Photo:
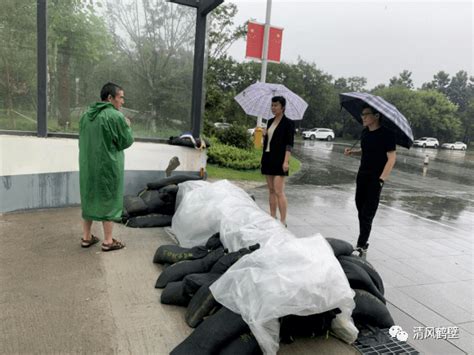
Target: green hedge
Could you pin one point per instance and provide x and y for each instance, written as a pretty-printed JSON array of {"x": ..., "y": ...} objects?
[{"x": 232, "y": 157}]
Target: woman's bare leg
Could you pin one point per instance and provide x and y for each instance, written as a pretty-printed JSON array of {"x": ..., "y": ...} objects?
[
  {"x": 272, "y": 197},
  {"x": 279, "y": 186}
]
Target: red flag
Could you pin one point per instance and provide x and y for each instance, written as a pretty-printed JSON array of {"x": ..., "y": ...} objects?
[
  {"x": 274, "y": 44},
  {"x": 254, "y": 40},
  {"x": 255, "y": 33}
]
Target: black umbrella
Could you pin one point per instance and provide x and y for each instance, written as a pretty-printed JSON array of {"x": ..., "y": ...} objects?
[{"x": 391, "y": 118}]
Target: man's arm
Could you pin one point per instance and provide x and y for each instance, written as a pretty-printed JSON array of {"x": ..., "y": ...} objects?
[
  {"x": 391, "y": 158},
  {"x": 352, "y": 151}
]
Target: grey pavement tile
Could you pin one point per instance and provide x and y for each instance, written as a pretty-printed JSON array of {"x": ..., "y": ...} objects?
[
  {"x": 416, "y": 309},
  {"x": 396, "y": 249},
  {"x": 461, "y": 246},
  {"x": 390, "y": 278},
  {"x": 459, "y": 293},
  {"x": 428, "y": 346},
  {"x": 411, "y": 273},
  {"x": 437, "y": 302},
  {"x": 468, "y": 327},
  {"x": 465, "y": 342},
  {"x": 433, "y": 267}
]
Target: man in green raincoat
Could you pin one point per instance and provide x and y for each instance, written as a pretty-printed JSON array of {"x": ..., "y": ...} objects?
[{"x": 104, "y": 133}]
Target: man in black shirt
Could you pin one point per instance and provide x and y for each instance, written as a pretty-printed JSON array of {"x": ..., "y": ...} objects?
[{"x": 378, "y": 158}]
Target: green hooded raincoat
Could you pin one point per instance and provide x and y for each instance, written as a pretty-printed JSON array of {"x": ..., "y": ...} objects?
[{"x": 103, "y": 135}]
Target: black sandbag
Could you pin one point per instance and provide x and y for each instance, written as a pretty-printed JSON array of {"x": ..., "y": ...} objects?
[
  {"x": 359, "y": 278},
  {"x": 369, "y": 310},
  {"x": 179, "y": 270},
  {"x": 149, "y": 221},
  {"x": 214, "y": 242},
  {"x": 228, "y": 260},
  {"x": 168, "y": 198},
  {"x": 169, "y": 189},
  {"x": 213, "y": 334},
  {"x": 173, "y": 294},
  {"x": 173, "y": 253},
  {"x": 374, "y": 275},
  {"x": 244, "y": 344},
  {"x": 168, "y": 209},
  {"x": 187, "y": 142},
  {"x": 134, "y": 205},
  {"x": 292, "y": 326},
  {"x": 201, "y": 305},
  {"x": 193, "y": 282},
  {"x": 340, "y": 247},
  {"x": 152, "y": 200},
  {"x": 175, "y": 179}
]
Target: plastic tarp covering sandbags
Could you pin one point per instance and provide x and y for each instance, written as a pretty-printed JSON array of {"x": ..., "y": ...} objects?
[
  {"x": 286, "y": 276},
  {"x": 186, "y": 187},
  {"x": 204, "y": 209}
]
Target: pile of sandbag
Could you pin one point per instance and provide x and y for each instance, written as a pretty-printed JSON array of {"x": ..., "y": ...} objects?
[
  {"x": 188, "y": 274},
  {"x": 370, "y": 304},
  {"x": 155, "y": 205}
]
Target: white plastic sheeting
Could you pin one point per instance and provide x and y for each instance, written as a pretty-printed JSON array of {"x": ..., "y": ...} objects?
[
  {"x": 297, "y": 276},
  {"x": 287, "y": 275}
]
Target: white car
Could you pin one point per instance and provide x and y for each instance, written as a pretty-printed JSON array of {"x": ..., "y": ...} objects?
[
  {"x": 319, "y": 133},
  {"x": 222, "y": 125},
  {"x": 455, "y": 145},
  {"x": 426, "y": 142}
]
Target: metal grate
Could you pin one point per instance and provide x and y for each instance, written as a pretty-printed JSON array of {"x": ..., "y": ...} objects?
[{"x": 374, "y": 341}]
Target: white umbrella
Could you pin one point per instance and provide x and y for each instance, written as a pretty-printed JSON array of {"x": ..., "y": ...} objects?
[{"x": 256, "y": 100}]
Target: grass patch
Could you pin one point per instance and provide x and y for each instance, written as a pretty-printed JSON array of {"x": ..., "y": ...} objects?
[{"x": 217, "y": 172}]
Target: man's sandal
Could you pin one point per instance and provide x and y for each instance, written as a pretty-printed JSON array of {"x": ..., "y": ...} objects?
[
  {"x": 116, "y": 245},
  {"x": 86, "y": 243}
]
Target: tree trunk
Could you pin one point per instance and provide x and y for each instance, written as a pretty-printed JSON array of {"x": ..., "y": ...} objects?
[{"x": 64, "y": 88}]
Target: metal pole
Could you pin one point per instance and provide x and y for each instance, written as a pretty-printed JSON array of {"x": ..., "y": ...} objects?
[
  {"x": 42, "y": 67},
  {"x": 263, "y": 74},
  {"x": 198, "y": 73}
]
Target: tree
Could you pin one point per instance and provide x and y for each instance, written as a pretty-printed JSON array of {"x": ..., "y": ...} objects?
[
  {"x": 429, "y": 112},
  {"x": 440, "y": 82},
  {"x": 17, "y": 56},
  {"x": 222, "y": 33},
  {"x": 458, "y": 90},
  {"x": 404, "y": 79}
]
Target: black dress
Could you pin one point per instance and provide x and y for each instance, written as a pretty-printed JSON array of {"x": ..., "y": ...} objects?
[{"x": 282, "y": 141}]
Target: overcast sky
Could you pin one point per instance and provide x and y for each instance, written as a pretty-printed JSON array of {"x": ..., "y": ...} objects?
[{"x": 373, "y": 39}]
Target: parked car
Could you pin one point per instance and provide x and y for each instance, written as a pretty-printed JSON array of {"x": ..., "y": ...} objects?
[
  {"x": 222, "y": 125},
  {"x": 426, "y": 142},
  {"x": 251, "y": 131},
  {"x": 455, "y": 145},
  {"x": 319, "y": 133}
]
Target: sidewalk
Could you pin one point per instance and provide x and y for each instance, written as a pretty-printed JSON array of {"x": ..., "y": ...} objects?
[{"x": 58, "y": 298}]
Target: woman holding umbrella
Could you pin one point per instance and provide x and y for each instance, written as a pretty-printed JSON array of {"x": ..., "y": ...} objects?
[{"x": 277, "y": 146}]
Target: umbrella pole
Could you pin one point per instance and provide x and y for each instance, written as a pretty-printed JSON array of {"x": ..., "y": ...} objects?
[{"x": 263, "y": 73}]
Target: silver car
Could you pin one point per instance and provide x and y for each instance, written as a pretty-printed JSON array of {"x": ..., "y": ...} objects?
[{"x": 455, "y": 145}]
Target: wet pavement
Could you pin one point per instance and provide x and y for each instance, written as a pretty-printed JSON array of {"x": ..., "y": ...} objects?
[
  {"x": 59, "y": 298},
  {"x": 421, "y": 242}
]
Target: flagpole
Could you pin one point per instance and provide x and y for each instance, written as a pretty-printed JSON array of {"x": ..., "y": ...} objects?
[{"x": 263, "y": 73}]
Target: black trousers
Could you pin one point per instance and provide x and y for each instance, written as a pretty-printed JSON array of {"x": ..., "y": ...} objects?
[{"x": 367, "y": 200}]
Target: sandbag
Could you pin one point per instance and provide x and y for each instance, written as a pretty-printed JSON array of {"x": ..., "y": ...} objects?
[
  {"x": 213, "y": 334},
  {"x": 214, "y": 241},
  {"x": 370, "y": 310},
  {"x": 152, "y": 200},
  {"x": 173, "y": 253},
  {"x": 340, "y": 247},
  {"x": 179, "y": 270},
  {"x": 172, "y": 180},
  {"x": 244, "y": 344},
  {"x": 173, "y": 294},
  {"x": 359, "y": 278},
  {"x": 228, "y": 260},
  {"x": 134, "y": 205},
  {"x": 374, "y": 275},
  {"x": 201, "y": 305},
  {"x": 292, "y": 326},
  {"x": 169, "y": 189},
  {"x": 193, "y": 282},
  {"x": 149, "y": 221}
]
